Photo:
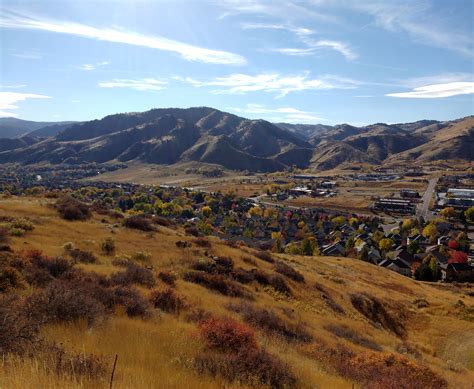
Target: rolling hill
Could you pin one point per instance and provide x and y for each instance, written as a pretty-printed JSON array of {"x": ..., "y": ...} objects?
[
  {"x": 13, "y": 127},
  {"x": 170, "y": 136}
]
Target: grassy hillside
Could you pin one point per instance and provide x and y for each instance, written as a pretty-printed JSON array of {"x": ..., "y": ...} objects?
[{"x": 309, "y": 321}]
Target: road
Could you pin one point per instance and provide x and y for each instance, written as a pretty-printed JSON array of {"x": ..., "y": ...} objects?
[{"x": 423, "y": 208}]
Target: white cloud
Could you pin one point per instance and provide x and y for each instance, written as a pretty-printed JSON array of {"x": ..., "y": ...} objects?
[
  {"x": 437, "y": 91},
  {"x": 9, "y": 100},
  {"x": 13, "y": 86},
  {"x": 304, "y": 36},
  {"x": 280, "y": 114},
  {"x": 269, "y": 82},
  {"x": 143, "y": 84},
  {"x": 26, "y": 54},
  {"x": 187, "y": 51},
  {"x": 417, "y": 20},
  {"x": 93, "y": 66},
  {"x": 300, "y": 31}
]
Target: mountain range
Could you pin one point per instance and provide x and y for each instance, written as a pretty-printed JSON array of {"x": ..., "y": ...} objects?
[{"x": 206, "y": 135}]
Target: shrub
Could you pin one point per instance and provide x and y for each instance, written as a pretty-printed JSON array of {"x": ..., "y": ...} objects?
[
  {"x": 108, "y": 246},
  {"x": 279, "y": 284},
  {"x": 60, "y": 302},
  {"x": 255, "y": 366},
  {"x": 191, "y": 231},
  {"x": 83, "y": 256},
  {"x": 202, "y": 242},
  {"x": 133, "y": 274},
  {"x": 268, "y": 321},
  {"x": 18, "y": 329},
  {"x": 217, "y": 283},
  {"x": 10, "y": 278},
  {"x": 68, "y": 246},
  {"x": 72, "y": 209},
  {"x": 73, "y": 364},
  {"x": 217, "y": 265},
  {"x": 167, "y": 300},
  {"x": 243, "y": 276},
  {"x": 227, "y": 335},
  {"x": 18, "y": 232},
  {"x": 121, "y": 262},
  {"x": 347, "y": 333},
  {"x": 198, "y": 315},
  {"x": 392, "y": 371},
  {"x": 265, "y": 256},
  {"x": 138, "y": 222},
  {"x": 23, "y": 224},
  {"x": 374, "y": 310},
  {"x": 289, "y": 272},
  {"x": 168, "y": 277},
  {"x": 4, "y": 235},
  {"x": 41, "y": 269},
  {"x": 133, "y": 302},
  {"x": 141, "y": 256}
]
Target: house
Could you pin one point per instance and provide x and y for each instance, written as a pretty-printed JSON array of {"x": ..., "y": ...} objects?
[
  {"x": 420, "y": 239},
  {"x": 409, "y": 193},
  {"x": 457, "y": 272},
  {"x": 398, "y": 265},
  {"x": 373, "y": 255},
  {"x": 334, "y": 250},
  {"x": 443, "y": 240}
]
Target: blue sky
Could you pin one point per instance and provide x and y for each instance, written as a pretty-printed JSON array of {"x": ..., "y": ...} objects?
[{"x": 319, "y": 61}]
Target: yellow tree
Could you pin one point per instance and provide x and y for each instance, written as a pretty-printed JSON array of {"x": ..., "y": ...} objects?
[
  {"x": 385, "y": 244},
  {"x": 430, "y": 232},
  {"x": 206, "y": 211},
  {"x": 448, "y": 212}
]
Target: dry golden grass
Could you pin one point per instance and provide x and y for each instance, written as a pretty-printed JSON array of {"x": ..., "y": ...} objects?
[{"x": 158, "y": 351}]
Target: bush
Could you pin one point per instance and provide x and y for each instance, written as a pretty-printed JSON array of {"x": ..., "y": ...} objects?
[
  {"x": 265, "y": 256},
  {"x": 254, "y": 366},
  {"x": 4, "y": 235},
  {"x": 243, "y": 276},
  {"x": 167, "y": 300},
  {"x": 83, "y": 256},
  {"x": 23, "y": 224},
  {"x": 198, "y": 315},
  {"x": 41, "y": 269},
  {"x": 133, "y": 302},
  {"x": 217, "y": 283},
  {"x": 18, "y": 232},
  {"x": 59, "y": 302},
  {"x": 202, "y": 242},
  {"x": 268, "y": 321},
  {"x": 72, "y": 364},
  {"x": 168, "y": 277},
  {"x": 108, "y": 246},
  {"x": 133, "y": 274},
  {"x": 374, "y": 310},
  {"x": 138, "y": 223},
  {"x": 392, "y": 371},
  {"x": 141, "y": 256},
  {"x": 279, "y": 284},
  {"x": 289, "y": 272},
  {"x": 72, "y": 209},
  {"x": 347, "y": 333},
  {"x": 217, "y": 265},
  {"x": 18, "y": 330},
  {"x": 227, "y": 335},
  {"x": 191, "y": 231},
  {"x": 10, "y": 278}
]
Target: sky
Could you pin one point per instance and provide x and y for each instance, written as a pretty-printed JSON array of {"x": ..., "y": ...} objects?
[{"x": 315, "y": 61}]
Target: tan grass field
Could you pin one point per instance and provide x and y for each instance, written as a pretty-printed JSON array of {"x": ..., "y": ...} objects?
[{"x": 156, "y": 352}]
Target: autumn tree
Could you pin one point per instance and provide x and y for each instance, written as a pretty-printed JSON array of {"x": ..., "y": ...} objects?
[
  {"x": 469, "y": 213},
  {"x": 448, "y": 212},
  {"x": 430, "y": 232},
  {"x": 458, "y": 257},
  {"x": 385, "y": 244}
]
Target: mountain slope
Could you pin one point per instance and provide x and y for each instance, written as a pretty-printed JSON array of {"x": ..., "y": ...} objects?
[
  {"x": 206, "y": 135},
  {"x": 13, "y": 127}
]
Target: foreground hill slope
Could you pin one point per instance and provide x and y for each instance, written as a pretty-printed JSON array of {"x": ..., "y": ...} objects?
[{"x": 335, "y": 310}]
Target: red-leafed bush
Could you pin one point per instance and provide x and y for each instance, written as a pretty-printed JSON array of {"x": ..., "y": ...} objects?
[
  {"x": 168, "y": 278},
  {"x": 458, "y": 257},
  {"x": 452, "y": 244},
  {"x": 227, "y": 335}
]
